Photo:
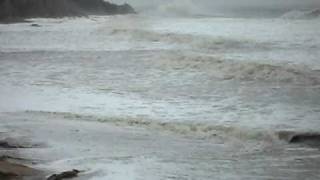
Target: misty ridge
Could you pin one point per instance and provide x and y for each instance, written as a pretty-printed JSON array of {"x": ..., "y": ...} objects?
[{"x": 21, "y": 9}]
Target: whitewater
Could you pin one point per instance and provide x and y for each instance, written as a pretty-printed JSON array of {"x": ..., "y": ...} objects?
[{"x": 149, "y": 97}]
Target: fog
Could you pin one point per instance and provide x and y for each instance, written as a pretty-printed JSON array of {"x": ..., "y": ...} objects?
[{"x": 216, "y": 7}]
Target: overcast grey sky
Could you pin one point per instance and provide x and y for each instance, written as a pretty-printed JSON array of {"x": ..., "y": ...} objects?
[
  {"x": 228, "y": 3},
  {"x": 211, "y": 6}
]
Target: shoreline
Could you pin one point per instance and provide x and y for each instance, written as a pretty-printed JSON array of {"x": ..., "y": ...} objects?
[
  {"x": 17, "y": 171},
  {"x": 105, "y": 151},
  {"x": 13, "y": 166}
]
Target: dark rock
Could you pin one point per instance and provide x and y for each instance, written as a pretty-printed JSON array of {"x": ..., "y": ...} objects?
[
  {"x": 10, "y": 144},
  {"x": 298, "y": 138},
  {"x": 13, "y": 143},
  {"x": 35, "y": 25},
  {"x": 6, "y": 145},
  {"x": 4, "y": 158},
  {"x": 8, "y": 176},
  {"x": 309, "y": 138},
  {"x": 64, "y": 175}
]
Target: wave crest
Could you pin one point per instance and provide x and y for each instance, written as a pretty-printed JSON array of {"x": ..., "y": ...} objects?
[
  {"x": 244, "y": 70},
  {"x": 198, "y": 50},
  {"x": 203, "y": 42},
  {"x": 201, "y": 130},
  {"x": 198, "y": 130}
]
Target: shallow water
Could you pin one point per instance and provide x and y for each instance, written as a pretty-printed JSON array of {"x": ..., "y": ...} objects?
[{"x": 104, "y": 151}]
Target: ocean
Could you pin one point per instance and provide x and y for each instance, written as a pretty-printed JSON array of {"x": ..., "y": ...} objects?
[{"x": 249, "y": 82}]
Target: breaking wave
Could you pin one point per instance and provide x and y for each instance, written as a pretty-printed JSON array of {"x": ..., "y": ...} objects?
[
  {"x": 302, "y": 14},
  {"x": 223, "y": 69},
  {"x": 203, "y": 130},
  {"x": 201, "y": 56},
  {"x": 200, "y": 130},
  {"x": 195, "y": 41},
  {"x": 200, "y": 42}
]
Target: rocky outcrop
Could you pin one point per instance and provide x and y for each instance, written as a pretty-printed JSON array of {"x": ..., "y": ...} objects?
[
  {"x": 65, "y": 175},
  {"x": 14, "y": 9}
]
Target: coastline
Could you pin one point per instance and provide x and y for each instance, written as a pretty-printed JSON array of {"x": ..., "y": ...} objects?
[
  {"x": 105, "y": 151},
  {"x": 13, "y": 166}
]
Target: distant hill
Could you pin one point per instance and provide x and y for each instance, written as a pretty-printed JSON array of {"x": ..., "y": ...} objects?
[{"x": 21, "y": 9}]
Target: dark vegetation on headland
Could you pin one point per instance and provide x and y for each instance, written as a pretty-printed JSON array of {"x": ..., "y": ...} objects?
[{"x": 23, "y": 9}]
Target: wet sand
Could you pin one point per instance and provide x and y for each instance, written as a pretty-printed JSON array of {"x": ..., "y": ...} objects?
[
  {"x": 13, "y": 171},
  {"x": 12, "y": 166}
]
